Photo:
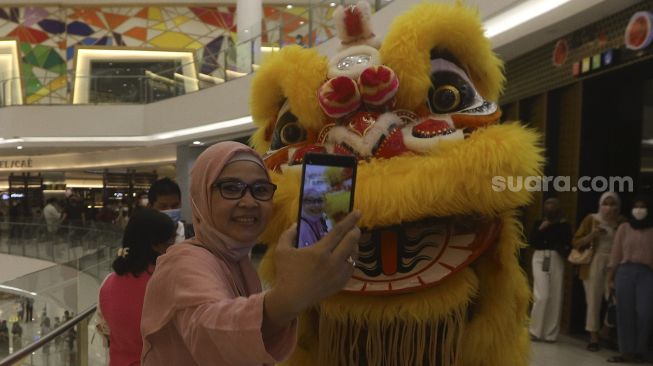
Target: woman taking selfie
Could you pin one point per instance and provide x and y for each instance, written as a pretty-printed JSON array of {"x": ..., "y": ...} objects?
[{"x": 204, "y": 305}]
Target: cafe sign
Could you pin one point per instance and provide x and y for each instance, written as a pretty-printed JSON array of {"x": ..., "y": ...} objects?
[{"x": 16, "y": 163}]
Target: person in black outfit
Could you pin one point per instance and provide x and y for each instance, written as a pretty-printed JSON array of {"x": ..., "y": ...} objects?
[
  {"x": 29, "y": 310},
  {"x": 4, "y": 339},
  {"x": 74, "y": 218},
  {"x": 551, "y": 239}
]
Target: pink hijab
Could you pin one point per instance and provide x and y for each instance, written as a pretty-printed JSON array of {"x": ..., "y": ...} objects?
[
  {"x": 206, "y": 170},
  {"x": 230, "y": 266}
]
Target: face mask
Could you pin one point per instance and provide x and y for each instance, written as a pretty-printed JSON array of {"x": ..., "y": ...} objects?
[
  {"x": 143, "y": 202},
  {"x": 175, "y": 214},
  {"x": 639, "y": 213}
]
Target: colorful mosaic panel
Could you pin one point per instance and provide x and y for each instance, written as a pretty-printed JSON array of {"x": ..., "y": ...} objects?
[{"x": 48, "y": 36}]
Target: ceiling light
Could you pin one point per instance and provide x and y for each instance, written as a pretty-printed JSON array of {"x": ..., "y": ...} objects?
[
  {"x": 332, "y": 4},
  {"x": 232, "y": 125},
  {"x": 301, "y": 23},
  {"x": 518, "y": 15},
  {"x": 288, "y": 6},
  {"x": 197, "y": 142},
  {"x": 16, "y": 289},
  {"x": 19, "y": 147}
]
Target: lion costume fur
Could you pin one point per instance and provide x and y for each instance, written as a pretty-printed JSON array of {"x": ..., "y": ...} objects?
[{"x": 476, "y": 314}]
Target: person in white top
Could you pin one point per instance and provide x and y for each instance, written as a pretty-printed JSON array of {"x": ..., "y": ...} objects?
[
  {"x": 165, "y": 196},
  {"x": 52, "y": 215}
]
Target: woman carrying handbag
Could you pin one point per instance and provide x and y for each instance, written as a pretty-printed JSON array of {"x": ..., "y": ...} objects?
[{"x": 596, "y": 233}]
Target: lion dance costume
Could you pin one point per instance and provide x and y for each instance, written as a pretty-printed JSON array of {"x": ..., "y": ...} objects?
[{"x": 437, "y": 280}]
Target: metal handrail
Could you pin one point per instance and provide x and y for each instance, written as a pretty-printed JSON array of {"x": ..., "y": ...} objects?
[{"x": 25, "y": 351}]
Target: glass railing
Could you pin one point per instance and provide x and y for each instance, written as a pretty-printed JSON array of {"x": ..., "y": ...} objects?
[
  {"x": 69, "y": 344},
  {"x": 65, "y": 246},
  {"x": 233, "y": 62},
  {"x": 37, "y": 334}
]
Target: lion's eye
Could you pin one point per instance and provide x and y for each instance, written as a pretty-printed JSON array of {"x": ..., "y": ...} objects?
[
  {"x": 451, "y": 91},
  {"x": 445, "y": 98},
  {"x": 292, "y": 133},
  {"x": 287, "y": 131}
]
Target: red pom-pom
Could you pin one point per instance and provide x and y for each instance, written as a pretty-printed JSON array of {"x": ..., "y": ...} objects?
[
  {"x": 374, "y": 76},
  {"x": 343, "y": 89}
]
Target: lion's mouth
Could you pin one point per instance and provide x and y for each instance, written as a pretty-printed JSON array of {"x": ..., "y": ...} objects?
[{"x": 419, "y": 254}]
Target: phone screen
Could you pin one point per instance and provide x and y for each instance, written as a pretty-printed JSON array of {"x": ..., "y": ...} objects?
[{"x": 327, "y": 195}]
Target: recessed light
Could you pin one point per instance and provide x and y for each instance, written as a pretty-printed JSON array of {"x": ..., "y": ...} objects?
[
  {"x": 288, "y": 6},
  {"x": 19, "y": 147},
  {"x": 246, "y": 31},
  {"x": 332, "y": 4},
  {"x": 197, "y": 142},
  {"x": 301, "y": 23}
]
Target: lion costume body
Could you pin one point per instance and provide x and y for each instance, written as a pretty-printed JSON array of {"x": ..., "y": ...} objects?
[{"x": 437, "y": 281}]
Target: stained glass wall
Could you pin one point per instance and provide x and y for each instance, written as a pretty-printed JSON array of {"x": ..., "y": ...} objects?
[{"x": 48, "y": 36}]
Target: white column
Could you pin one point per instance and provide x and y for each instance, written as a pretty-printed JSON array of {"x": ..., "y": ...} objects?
[
  {"x": 249, "y": 14},
  {"x": 186, "y": 156}
]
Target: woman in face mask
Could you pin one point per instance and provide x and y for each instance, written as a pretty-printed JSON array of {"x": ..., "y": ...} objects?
[
  {"x": 551, "y": 239},
  {"x": 596, "y": 232},
  {"x": 631, "y": 275},
  {"x": 204, "y": 304}
]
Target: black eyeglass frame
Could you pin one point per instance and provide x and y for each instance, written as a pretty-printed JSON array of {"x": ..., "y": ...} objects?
[{"x": 244, "y": 188}]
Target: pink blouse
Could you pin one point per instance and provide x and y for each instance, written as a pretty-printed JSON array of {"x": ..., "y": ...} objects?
[
  {"x": 632, "y": 246},
  {"x": 194, "y": 314}
]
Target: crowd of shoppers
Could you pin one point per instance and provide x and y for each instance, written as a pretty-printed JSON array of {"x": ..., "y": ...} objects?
[{"x": 618, "y": 275}]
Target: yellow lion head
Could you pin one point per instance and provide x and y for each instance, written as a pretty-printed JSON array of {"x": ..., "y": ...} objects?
[{"x": 437, "y": 273}]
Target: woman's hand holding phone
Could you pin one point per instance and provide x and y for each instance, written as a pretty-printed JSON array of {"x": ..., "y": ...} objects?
[{"x": 307, "y": 275}]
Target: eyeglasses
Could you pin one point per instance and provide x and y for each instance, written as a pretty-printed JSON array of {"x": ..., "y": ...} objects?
[{"x": 235, "y": 189}]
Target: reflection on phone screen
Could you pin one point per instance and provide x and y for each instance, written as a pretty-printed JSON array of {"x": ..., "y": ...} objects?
[{"x": 326, "y": 199}]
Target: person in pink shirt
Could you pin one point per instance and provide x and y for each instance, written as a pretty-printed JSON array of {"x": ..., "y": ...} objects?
[
  {"x": 147, "y": 235},
  {"x": 630, "y": 273},
  {"x": 204, "y": 304}
]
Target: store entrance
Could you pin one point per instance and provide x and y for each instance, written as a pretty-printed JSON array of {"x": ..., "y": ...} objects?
[{"x": 616, "y": 144}]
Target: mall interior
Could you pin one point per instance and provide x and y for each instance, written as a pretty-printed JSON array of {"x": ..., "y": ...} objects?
[{"x": 99, "y": 99}]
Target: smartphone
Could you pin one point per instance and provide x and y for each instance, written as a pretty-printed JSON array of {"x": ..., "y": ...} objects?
[{"x": 327, "y": 195}]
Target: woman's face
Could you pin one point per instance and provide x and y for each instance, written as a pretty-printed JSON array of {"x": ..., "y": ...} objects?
[
  {"x": 242, "y": 219},
  {"x": 313, "y": 204},
  {"x": 609, "y": 206},
  {"x": 551, "y": 208}
]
